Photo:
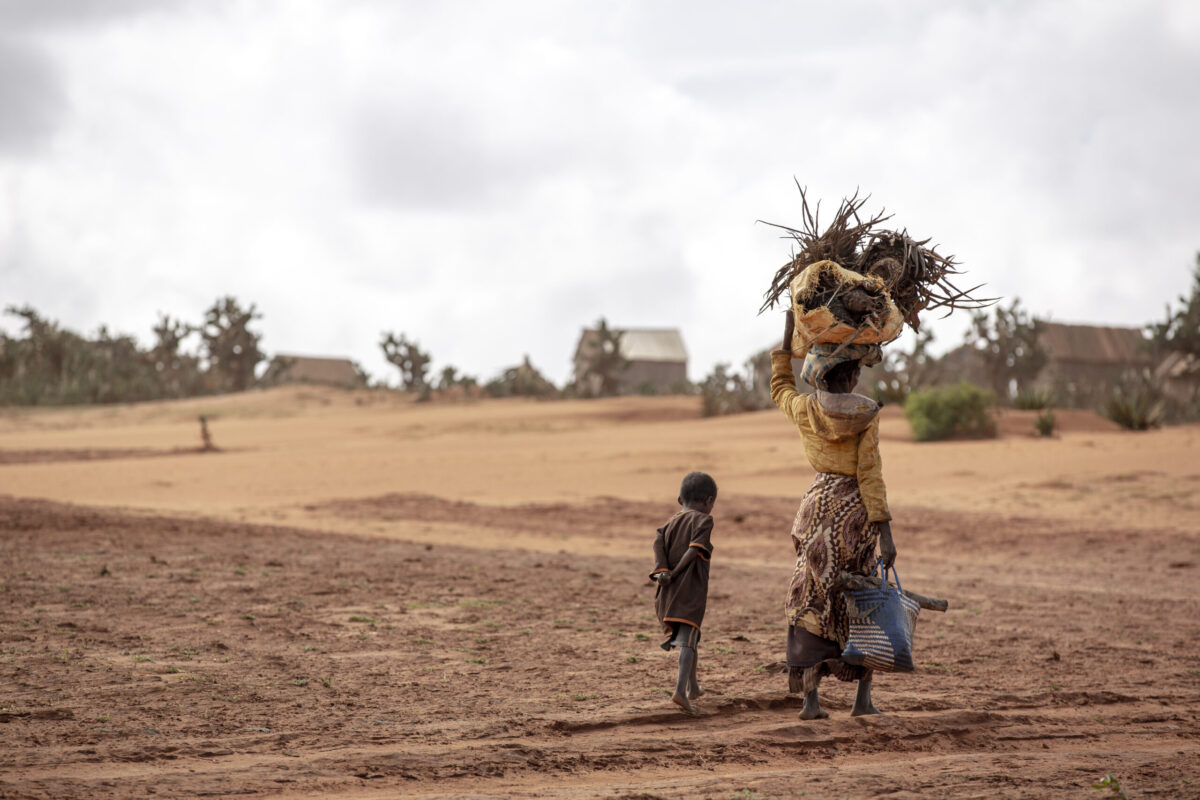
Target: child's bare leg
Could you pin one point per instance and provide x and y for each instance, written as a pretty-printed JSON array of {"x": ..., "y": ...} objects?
[
  {"x": 687, "y": 671},
  {"x": 862, "y": 700},
  {"x": 694, "y": 687}
]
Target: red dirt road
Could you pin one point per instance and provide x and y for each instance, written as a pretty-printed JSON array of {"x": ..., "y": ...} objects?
[{"x": 154, "y": 655}]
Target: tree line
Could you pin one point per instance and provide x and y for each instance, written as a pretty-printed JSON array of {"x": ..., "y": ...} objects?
[
  {"x": 45, "y": 363},
  {"x": 600, "y": 375}
]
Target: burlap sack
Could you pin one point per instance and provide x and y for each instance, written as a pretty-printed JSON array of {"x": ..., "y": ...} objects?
[{"x": 818, "y": 324}]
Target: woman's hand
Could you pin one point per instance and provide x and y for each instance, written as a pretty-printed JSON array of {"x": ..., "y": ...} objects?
[
  {"x": 887, "y": 548},
  {"x": 789, "y": 326}
]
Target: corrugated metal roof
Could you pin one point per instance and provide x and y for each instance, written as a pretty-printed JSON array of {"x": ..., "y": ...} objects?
[
  {"x": 1094, "y": 344},
  {"x": 644, "y": 344}
]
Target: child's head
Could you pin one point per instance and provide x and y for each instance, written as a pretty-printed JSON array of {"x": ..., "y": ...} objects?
[{"x": 698, "y": 491}]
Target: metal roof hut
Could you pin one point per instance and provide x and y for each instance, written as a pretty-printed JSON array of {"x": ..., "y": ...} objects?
[
  {"x": 1179, "y": 376},
  {"x": 657, "y": 361},
  {"x": 312, "y": 369},
  {"x": 1084, "y": 362}
]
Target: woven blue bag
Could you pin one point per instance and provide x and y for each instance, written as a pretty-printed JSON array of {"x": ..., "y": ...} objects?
[{"x": 881, "y": 627}]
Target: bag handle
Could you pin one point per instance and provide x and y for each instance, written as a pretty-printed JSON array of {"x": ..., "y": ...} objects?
[{"x": 883, "y": 571}]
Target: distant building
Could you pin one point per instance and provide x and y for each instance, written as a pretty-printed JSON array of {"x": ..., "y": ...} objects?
[
  {"x": 1179, "y": 376},
  {"x": 1084, "y": 362},
  {"x": 964, "y": 363},
  {"x": 312, "y": 369},
  {"x": 657, "y": 360}
]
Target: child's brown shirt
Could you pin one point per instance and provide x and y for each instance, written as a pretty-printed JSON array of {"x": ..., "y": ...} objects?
[{"x": 684, "y": 599}]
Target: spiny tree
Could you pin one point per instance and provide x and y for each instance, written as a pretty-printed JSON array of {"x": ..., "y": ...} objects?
[
  {"x": 450, "y": 378},
  {"x": 906, "y": 371},
  {"x": 230, "y": 346},
  {"x": 411, "y": 360},
  {"x": 178, "y": 371},
  {"x": 603, "y": 362},
  {"x": 1007, "y": 341},
  {"x": 724, "y": 391},
  {"x": 1179, "y": 332}
]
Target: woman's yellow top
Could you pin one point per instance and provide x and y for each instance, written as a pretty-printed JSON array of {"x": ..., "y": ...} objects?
[{"x": 845, "y": 444}]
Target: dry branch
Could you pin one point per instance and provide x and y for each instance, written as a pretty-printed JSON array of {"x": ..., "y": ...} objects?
[
  {"x": 914, "y": 273},
  {"x": 847, "y": 580}
]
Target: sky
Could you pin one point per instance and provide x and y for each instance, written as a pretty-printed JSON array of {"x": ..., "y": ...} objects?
[{"x": 488, "y": 178}]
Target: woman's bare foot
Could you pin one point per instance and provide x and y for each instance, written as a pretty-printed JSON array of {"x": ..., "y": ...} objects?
[
  {"x": 685, "y": 704},
  {"x": 862, "y": 699},
  {"x": 812, "y": 707}
]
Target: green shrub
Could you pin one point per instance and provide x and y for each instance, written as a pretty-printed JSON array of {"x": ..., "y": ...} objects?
[
  {"x": 1137, "y": 409},
  {"x": 1045, "y": 423},
  {"x": 962, "y": 410},
  {"x": 1033, "y": 399}
]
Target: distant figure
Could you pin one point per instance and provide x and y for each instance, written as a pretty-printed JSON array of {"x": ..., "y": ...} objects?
[
  {"x": 682, "y": 549},
  {"x": 842, "y": 517},
  {"x": 205, "y": 437}
]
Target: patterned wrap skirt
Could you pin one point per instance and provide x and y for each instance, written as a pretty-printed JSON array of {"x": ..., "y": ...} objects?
[{"x": 830, "y": 534}]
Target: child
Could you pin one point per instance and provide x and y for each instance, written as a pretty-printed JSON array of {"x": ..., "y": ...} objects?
[{"x": 682, "y": 549}]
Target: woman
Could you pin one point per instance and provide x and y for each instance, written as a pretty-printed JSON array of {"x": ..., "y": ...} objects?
[{"x": 843, "y": 515}]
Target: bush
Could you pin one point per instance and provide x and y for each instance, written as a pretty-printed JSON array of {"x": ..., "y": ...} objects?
[
  {"x": 523, "y": 380},
  {"x": 1136, "y": 409},
  {"x": 962, "y": 410},
  {"x": 1045, "y": 423},
  {"x": 1033, "y": 400}
]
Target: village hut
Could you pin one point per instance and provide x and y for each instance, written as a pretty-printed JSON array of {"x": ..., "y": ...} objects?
[
  {"x": 312, "y": 369},
  {"x": 656, "y": 361},
  {"x": 1179, "y": 376},
  {"x": 1084, "y": 362}
]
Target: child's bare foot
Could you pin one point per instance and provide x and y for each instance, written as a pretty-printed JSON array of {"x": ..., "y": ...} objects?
[
  {"x": 696, "y": 690},
  {"x": 684, "y": 703}
]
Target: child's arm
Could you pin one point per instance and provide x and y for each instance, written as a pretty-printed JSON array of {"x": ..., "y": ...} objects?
[
  {"x": 699, "y": 547},
  {"x": 661, "y": 567},
  {"x": 691, "y": 555}
]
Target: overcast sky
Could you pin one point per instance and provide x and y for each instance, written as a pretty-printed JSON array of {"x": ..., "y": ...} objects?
[{"x": 489, "y": 177}]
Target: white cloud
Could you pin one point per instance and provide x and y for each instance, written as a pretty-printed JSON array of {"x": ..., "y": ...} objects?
[{"x": 490, "y": 177}]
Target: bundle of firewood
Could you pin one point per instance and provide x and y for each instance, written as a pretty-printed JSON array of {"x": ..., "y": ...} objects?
[{"x": 885, "y": 277}]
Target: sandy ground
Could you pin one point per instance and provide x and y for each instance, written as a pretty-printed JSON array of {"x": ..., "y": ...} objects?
[{"x": 364, "y": 597}]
